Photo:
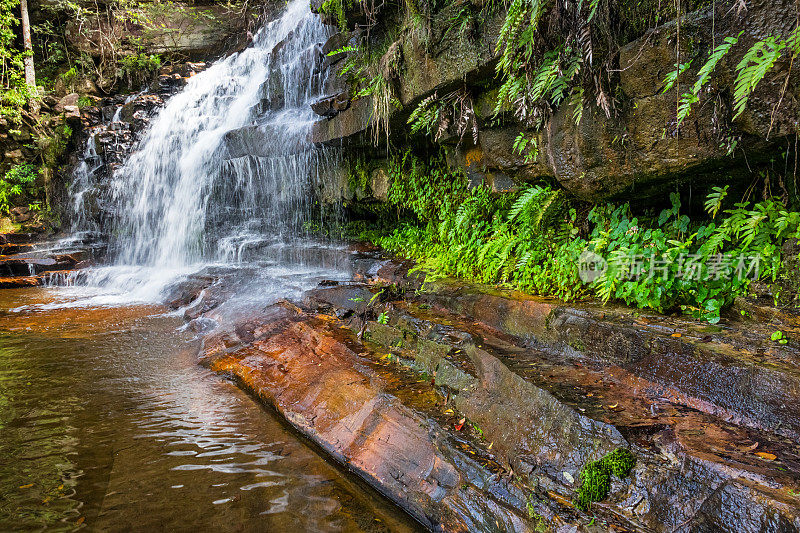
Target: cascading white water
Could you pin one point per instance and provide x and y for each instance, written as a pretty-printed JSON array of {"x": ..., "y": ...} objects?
[
  {"x": 183, "y": 200},
  {"x": 177, "y": 181},
  {"x": 82, "y": 186}
]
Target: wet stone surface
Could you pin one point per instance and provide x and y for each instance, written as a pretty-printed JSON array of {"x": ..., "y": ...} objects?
[{"x": 512, "y": 419}]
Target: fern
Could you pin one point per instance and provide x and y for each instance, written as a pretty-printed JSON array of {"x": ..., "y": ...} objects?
[
  {"x": 716, "y": 56},
  {"x": 576, "y": 100},
  {"x": 714, "y": 200},
  {"x": 525, "y": 201},
  {"x": 755, "y": 64},
  {"x": 693, "y": 96},
  {"x": 672, "y": 76},
  {"x": 342, "y": 50}
]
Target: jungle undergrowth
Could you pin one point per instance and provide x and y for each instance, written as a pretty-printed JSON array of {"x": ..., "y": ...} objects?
[{"x": 533, "y": 240}]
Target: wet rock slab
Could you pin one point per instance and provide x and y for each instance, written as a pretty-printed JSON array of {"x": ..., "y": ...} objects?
[
  {"x": 27, "y": 260},
  {"x": 734, "y": 371},
  {"x": 309, "y": 373},
  {"x": 477, "y": 410}
]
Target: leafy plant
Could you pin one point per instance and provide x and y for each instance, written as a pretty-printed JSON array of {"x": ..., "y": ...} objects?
[
  {"x": 436, "y": 116},
  {"x": 779, "y": 337},
  {"x": 532, "y": 241},
  {"x": 759, "y": 59},
  {"x": 16, "y": 182},
  {"x": 528, "y": 147},
  {"x": 136, "y": 68}
]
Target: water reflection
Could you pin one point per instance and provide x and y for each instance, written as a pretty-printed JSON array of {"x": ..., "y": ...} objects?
[{"x": 107, "y": 423}]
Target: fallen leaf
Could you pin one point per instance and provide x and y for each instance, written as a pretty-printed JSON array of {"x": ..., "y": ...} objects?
[
  {"x": 568, "y": 477},
  {"x": 560, "y": 499},
  {"x": 613, "y": 406},
  {"x": 449, "y": 412},
  {"x": 767, "y": 456},
  {"x": 751, "y": 447},
  {"x": 29, "y": 485},
  {"x": 80, "y": 520},
  {"x": 490, "y": 445},
  {"x": 676, "y": 335},
  {"x": 460, "y": 424}
]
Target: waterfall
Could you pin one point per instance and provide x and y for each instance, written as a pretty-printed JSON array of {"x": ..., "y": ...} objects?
[
  {"x": 187, "y": 197},
  {"x": 82, "y": 187}
]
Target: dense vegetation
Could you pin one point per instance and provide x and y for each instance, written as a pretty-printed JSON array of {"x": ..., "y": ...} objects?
[
  {"x": 555, "y": 54},
  {"x": 533, "y": 241}
]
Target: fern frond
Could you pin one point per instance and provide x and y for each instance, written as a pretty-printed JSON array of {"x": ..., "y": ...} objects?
[
  {"x": 755, "y": 64},
  {"x": 714, "y": 200}
]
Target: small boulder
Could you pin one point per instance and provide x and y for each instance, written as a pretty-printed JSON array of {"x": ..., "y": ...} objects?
[
  {"x": 87, "y": 86},
  {"x": 331, "y": 105},
  {"x": 71, "y": 100},
  {"x": 72, "y": 114},
  {"x": 14, "y": 156},
  {"x": 21, "y": 214}
]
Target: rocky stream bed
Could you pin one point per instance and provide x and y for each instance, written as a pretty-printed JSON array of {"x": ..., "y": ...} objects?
[
  {"x": 478, "y": 409},
  {"x": 475, "y": 409}
]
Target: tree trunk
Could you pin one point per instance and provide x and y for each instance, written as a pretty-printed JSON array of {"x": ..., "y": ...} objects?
[{"x": 30, "y": 72}]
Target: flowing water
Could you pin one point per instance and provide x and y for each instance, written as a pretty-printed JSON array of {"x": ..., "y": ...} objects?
[
  {"x": 182, "y": 202},
  {"x": 106, "y": 421}
]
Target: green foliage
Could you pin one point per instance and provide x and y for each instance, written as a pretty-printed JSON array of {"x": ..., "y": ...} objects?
[
  {"x": 779, "y": 337},
  {"x": 476, "y": 235},
  {"x": 688, "y": 270},
  {"x": 436, "y": 116},
  {"x": 759, "y": 59},
  {"x": 425, "y": 188},
  {"x": 53, "y": 146},
  {"x": 136, "y": 68},
  {"x": 527, "y": 147},
  {"x": 358, "y": 176},
  {"x": 693, "y": 95},
  {"x": 672, "y": 76},
  {"x": 755, "y": 64},
  {"x": 14, "y": 92},
  {"x": 533, "y": 92},
  {"x": 714, "y": 200},
  {"x": 17, "y": 182},
  {"x": 336, "y": 8},
  {"x": 531, "y": 242},
  {"x": 620, "y": 462},
  {"x": 596, "y": 476},
  {"x": 595, "y": 485},
  {"x": 342, "y": 50}
]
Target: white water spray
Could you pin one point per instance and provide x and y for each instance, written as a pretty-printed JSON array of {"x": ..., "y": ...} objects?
[{"x": 184, "y": 200}]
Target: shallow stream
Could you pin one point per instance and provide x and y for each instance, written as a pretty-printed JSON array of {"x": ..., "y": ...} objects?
[{"x": 108, "y": 423}]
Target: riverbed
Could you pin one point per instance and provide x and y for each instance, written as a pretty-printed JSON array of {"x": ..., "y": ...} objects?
[{"x": 108, "y": 423}]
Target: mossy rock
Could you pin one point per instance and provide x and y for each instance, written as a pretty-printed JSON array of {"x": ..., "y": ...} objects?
[{"x": 596, "y": 476}]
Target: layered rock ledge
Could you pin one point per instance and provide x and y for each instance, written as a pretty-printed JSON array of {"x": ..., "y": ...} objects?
[{"x": 478, "y": 410}]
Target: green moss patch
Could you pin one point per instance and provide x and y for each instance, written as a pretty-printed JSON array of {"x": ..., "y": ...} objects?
[{"x": 596, "y": 476}]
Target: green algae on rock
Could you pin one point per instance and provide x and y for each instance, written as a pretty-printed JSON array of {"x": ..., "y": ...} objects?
[{"x": 596, "y": 476}]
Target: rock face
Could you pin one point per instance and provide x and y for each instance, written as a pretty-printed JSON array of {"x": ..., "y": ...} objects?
[
  {"x": 638, "y": 150},
  {"x": 197, "y": 31},
  {"x": 478, "y": 411}
]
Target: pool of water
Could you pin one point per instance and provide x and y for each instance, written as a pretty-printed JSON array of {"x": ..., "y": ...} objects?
[{"x": 107, "y": 423}]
